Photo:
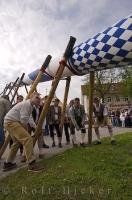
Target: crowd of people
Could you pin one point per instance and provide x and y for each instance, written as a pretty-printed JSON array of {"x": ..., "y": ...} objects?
[
  {"x": 121, "y": 117},
  {"x": 20, "y": 121}
]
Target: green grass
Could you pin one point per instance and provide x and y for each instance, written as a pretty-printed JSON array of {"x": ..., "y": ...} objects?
[{"x": 97, "y": 173}]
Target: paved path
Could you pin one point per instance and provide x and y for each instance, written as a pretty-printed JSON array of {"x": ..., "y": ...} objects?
[{"x": 54, "y": 151}]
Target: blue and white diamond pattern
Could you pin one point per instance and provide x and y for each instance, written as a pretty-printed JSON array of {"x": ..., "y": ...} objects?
[{"x": 108, "y": 49}]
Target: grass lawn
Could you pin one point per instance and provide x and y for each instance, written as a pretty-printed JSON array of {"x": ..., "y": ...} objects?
[{"x": 97, "y": 173}]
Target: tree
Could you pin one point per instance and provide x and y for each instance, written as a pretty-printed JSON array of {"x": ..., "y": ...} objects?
[
  {"x": 104, "y": 80},
  {"x": 127, "y": 80}
]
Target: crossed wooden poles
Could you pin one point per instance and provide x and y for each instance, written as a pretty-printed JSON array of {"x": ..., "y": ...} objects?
[
  {"x": 54, "y": 85},
  {"x": 55, "y": 82}
]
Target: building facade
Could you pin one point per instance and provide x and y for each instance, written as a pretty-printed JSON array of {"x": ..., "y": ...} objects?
[{"x": 114, "y": 98}]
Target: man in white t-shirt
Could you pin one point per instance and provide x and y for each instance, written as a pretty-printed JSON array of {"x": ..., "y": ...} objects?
[{"x": 16, "y": 123}]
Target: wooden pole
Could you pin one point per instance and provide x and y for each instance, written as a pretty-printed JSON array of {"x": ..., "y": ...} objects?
[
  {"x": 68, "y": 80},
  {"x": 26, "y": 88},
  {"x": 12, "y": 87},
  {"x": 55, "y": 82},
  {"x": 17, "y": 87},
  {"x": 91, "y": 91},
  {"x": 39, "y": 76}
]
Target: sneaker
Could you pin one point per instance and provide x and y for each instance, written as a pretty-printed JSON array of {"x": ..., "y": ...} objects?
[
  {"x": 113, "y": 142},
  {"x": 34, "y": 167},
  {"x": 9, "y": 166},
  {"x": 97, "y": 142},
  {"x": 45, "y": 146},
  {"x": 53, "y": 145},
  {"x": 60, "y": 145}
]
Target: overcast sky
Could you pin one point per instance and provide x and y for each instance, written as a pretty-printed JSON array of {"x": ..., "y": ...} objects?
[{"x": 32, "y": 29}]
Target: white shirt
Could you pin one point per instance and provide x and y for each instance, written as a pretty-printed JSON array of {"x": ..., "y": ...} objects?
[{"x": 20, "y": 112}]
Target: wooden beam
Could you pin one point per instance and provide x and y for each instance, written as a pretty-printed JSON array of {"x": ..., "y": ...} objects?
[
  {"x": 68, "y": 80},
  {"x": 12, "y": 87},
  {"x": 17, "y": 87},
  {"x": 90, "y": 116},
  {"x": 39, "y": 76}
]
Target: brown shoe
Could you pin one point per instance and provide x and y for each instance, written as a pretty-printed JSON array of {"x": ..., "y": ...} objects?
[{"x": 34, "y": 167}]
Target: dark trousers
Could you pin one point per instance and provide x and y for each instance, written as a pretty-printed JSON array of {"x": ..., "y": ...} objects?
[
  {"x": 56, "y": 127},
  {"x": 66, "y": 129},
  {"x": 46, "y": 129}
]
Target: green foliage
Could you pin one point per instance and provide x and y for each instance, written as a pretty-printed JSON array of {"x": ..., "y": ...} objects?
[
  {"x": 92, "y": 173},
  {"x": 127, "y": 80},
  {"x": 104, "y": 81}
]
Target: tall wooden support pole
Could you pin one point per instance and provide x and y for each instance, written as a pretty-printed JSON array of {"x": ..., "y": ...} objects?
[
  {"x": 12, "y": 87},
  {"x": 91, "y": 91},
  {"x": 55, "y": 82},
  {"x": 39, "y": 76},
  {"x": 17, "y": 87},
  {"x": 68, "y": 80}
]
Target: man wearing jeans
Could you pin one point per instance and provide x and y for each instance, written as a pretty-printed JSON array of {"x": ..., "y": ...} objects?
[{"x": 16, "y": 124}]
